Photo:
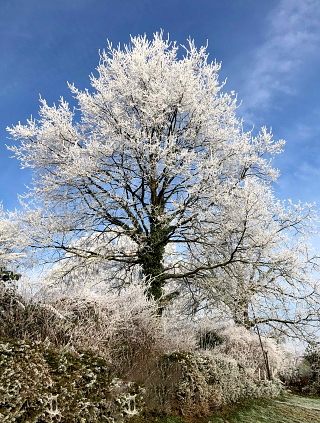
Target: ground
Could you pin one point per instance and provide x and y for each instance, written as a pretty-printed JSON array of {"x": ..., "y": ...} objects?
[{"x": 289, "y": 409}]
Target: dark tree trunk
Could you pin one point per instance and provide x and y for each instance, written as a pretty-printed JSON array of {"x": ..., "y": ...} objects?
[
  {"x": 151, "y": 260},
  {"x": 241, "y": 314}
]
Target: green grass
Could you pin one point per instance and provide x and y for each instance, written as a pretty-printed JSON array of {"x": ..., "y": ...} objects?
[{"x": 291, "y": 409}]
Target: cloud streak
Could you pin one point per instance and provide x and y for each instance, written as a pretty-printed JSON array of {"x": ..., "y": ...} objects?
[{"x": 291, "y": 40}]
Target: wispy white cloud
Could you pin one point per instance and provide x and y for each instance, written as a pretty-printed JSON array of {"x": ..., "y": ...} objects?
[
  {"x": 307, "y": 172},
  {"x": 303, "y": 131},
  {"x": 292, "y": 37}
]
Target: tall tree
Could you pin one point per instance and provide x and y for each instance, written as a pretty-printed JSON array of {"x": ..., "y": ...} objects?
[{"x": 154, "y": 154}]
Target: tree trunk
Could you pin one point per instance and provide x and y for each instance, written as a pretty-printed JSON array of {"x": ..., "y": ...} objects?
[
  {"x": 241, "y": 314},
  {"x": 151, "y": 260}
]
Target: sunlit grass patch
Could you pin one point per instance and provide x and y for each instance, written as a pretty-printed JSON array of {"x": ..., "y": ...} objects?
[{"x": 291, "y": 409}]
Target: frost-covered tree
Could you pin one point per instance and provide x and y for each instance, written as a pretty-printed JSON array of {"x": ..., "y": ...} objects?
[
  {"x": 11, "y": 240},
  {"x": 152, "y": 160}
]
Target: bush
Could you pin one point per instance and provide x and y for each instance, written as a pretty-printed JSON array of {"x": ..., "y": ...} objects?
[
  {"x": 209, "y": 339},
  {"x": 195, "y": 384},
  {"x": 71, "y": 343},
  {"x": 42, "y": 384},
  {"x": 244, "y": 346},
  {"x": 124, "y": 328},
  {"x": 307, "y": 375},
  {"x": 21, "y": 319}
]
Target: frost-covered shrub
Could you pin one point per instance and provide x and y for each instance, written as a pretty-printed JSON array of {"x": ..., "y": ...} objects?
[
  {"x": 244, "y": 346},
  {"x": 295, "y": 370},
  {"x": 124, "y": 327},
  {"x": 24, "y": 383},
  {"x": 194, "y": 384},
  {"x": 25, "y": 319},
  {"x": 124, "y": 330},
  {"x": 180, "y": 333},
  {"x": 41, "y": 384},
  {"x": 230, "y": 340},
  {"x": 13, "y": 313}
]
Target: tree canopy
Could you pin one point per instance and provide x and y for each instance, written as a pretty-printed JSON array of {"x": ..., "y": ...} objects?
[{"x": 152, "y": 174}]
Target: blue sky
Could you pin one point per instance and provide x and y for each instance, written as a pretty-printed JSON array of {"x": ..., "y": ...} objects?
[{"x": 269, "y": 52}]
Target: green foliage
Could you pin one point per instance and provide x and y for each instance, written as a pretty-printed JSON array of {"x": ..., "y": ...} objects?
[
  {"x": 42, "y": 384},
  {"x": 312, "y": 361},
  {"x": 8, "y": 275},
  {"x": 209, "y": 339}
]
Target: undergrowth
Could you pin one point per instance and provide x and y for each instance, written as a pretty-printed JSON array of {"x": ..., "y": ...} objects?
[{"x": 107, "y": 359}]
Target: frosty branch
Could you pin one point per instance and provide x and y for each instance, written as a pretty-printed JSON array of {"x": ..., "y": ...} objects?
[{"x": 153, "y": 174}]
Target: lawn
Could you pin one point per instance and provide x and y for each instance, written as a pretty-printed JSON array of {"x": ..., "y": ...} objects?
[{"x": 291, "y": 409}]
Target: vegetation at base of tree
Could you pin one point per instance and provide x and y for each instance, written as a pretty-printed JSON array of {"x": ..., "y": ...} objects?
[
  {"x": 136, "y": 373},
  {"x": 40, "y": 383},
  {"x": 137, "y": 365}
]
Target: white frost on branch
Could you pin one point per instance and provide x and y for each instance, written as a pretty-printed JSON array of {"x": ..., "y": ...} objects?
[{"x": 154, "y": 159}]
